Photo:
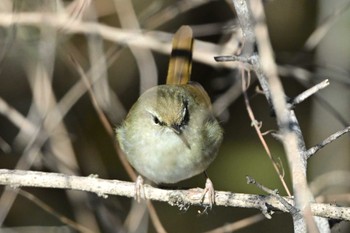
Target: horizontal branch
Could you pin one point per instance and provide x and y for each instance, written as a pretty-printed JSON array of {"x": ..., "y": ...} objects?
[
  {"x": 180, "y": 198},
  {"x": 154, "y": 40},
  {"x": 245, "y": 60}
]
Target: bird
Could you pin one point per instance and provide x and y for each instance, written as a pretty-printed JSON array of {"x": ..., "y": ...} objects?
[{"x": 171, "y": 134}]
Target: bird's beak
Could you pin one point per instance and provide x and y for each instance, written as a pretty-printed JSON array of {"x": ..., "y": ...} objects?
[
  {"x": 176, "y": 129},
  {"x": 179, "y": 133}
]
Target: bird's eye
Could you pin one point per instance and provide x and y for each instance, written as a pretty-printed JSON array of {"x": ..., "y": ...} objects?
[{"x": 156, "y": 120}]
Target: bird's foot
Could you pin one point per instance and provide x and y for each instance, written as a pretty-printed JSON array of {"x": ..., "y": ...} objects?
[
  {"x": 139, "y": 189},
  {"x": 209, "y": 192}
]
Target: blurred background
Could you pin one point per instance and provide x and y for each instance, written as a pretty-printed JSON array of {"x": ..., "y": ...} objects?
[{"x": 65, "y": 83}]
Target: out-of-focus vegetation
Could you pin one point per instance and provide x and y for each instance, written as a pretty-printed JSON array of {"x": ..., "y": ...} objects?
[{"x": 38, "y": 69}]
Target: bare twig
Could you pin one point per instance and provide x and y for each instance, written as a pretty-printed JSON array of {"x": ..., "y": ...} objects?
[
  {"x": 143, "y": 57},
  {"x": 121, "y": 155},
  {"x": 274, "y": 193},
  {"x": 289, "y": 128},
  {"x": 156, "y": 41},
  {"x": 180, "y": 198},
  {"x": 59, "y": 153},
  {"x": 328, "y": 140},
  {"x": 53, "y": 212},
  {"x": 17, "y": 118},
  {"x": 36, "y": 135},
  {"x": 245, "y": 60},
  {"x": 4, "y": 146},
  {"x": 306, "y": 78},
  {"x": 317, "y": 35},
  {"x": 303, "y": 96},
  {"x": 293, "y": 141},
  {"x": 247, "y": 26},
  {"x": 261, "y": 138}
]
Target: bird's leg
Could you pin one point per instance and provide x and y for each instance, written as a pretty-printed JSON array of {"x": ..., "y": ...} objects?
[
  {"x": 139, "y": 189},
  {"x": 209, "y": 190}
]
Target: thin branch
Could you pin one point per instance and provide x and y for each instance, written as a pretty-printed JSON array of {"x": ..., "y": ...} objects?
[
  {"x": 288, "y": 126},
  {"x": 156, "y": 41},
  {"x": 294, "y": 211},
  {"x": 122, "y": 157},
  {"x": 144, "y": 58},
  {"x": 328, "y": 140},
  {"x": 293, "y": 142},
  {"x": 258, "y": 132},
  {"x": 53, "y": 212},
  {"x": 17, "y": 118},
  {"x": 245, "y": 60},
  {"x": 306, "y": 78},
  {"x": 246, "y": 22},
  {"x": 180, "y": 198},
  {"x": 321, "y": 31},
  {"x": 303, "y": 96},
  {"x": 157, "y": 17},
  {"x": 38, "y": 137}
]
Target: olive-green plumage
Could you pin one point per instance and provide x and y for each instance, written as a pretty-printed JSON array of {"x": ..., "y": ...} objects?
[{"x": 170, "y": 134}]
